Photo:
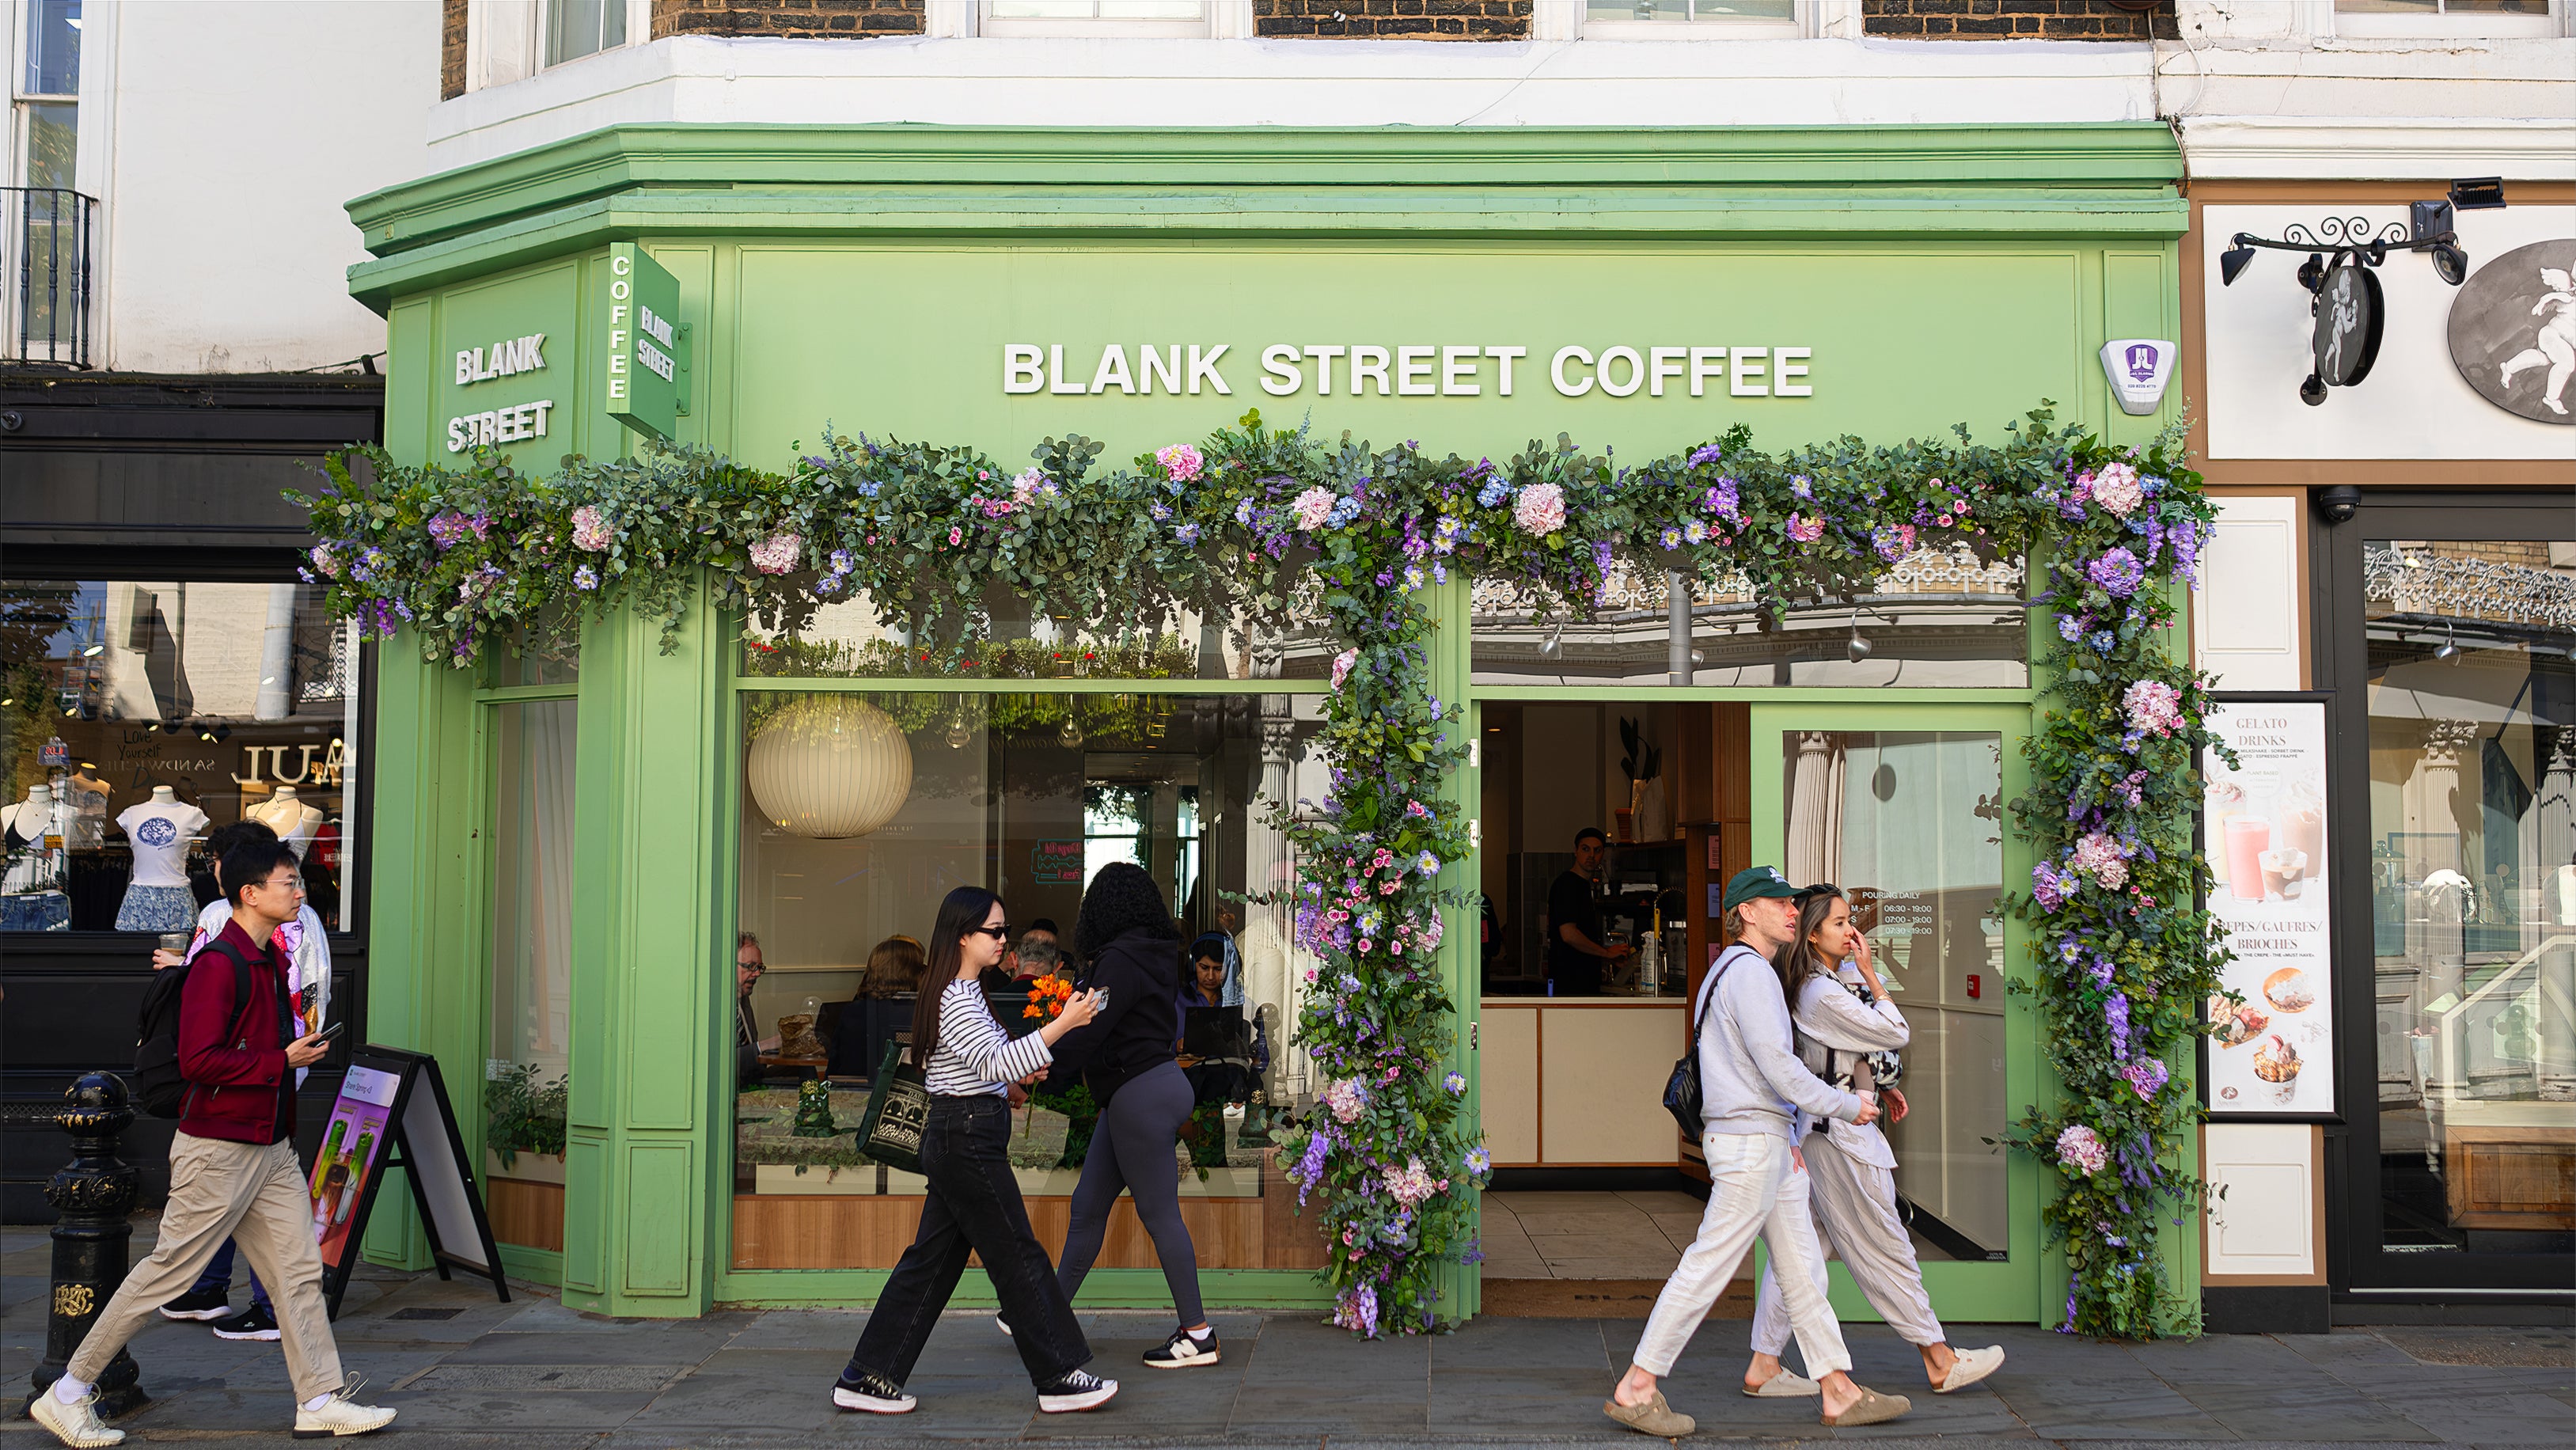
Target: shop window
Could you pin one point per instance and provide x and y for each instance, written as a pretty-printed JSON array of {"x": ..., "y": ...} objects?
[
  {"x": 140, "y": 715},
  {"x": 845, "y": 639},
  {"x": 1936, "y": 621},
  {"x": 1911, "y": 825},
  {"x": 860, "y": 810},
  {"x": 1096, "y": 17},
  {"x": 526, "y": 1087},
  {"x": 2472, "y": 886}
]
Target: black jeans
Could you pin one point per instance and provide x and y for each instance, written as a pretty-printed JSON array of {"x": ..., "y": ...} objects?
[{"x": 973, "y": 1207}]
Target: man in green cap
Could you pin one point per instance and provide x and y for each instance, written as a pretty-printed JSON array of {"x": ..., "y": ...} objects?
[{"x": 1753, "y": 1087}]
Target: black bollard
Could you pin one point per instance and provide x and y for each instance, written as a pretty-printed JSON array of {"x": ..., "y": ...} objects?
[{"x": 94, "y": 1193}]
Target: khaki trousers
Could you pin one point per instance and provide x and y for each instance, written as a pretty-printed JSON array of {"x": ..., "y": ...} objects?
[
  {"x": 255, "y": 1195},
  {"x": 1854, "y": 1207},
  {"x": 1754, "y": 1191}
]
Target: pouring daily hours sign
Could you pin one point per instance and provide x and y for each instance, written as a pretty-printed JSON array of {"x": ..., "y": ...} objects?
[{"x": 2264, "y": 829}]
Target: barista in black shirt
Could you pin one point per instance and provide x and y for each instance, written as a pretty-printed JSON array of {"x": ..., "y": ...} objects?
[{"x": 1575, "y": 955}]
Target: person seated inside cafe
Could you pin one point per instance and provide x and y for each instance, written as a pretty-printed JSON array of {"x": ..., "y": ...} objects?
[
  {"x": 748, "y": 1044},
  {"x": 1203, "y": 985},
  {"x": 895, "y": 966}
]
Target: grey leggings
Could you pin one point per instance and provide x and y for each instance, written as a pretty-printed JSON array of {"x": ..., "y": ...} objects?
[{"x": 1132, "y": 1150}]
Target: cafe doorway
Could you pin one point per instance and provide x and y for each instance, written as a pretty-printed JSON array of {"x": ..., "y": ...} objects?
[{"x": 1596, "y": 1194}]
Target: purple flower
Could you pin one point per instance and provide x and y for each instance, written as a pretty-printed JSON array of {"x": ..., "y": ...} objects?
[
  {"x": 2116, "y": 1013},
  {"x": 2146, "y": 1075},
  {"x": 448, "y": 527},
  {"x": 585, "y": 578},
  {"x": 1705, "y": 453},
  {"x": 1187, "y": 533},
  {"x": 2118, "y": 573}
]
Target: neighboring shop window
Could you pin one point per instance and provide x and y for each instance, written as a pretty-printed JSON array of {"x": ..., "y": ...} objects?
[
  {"x": 142, "y": 714},
  {"x": 2456, "y": 17},
  {"x": 1910, "y": 825},
  {"x": 525, "y": 1088},
  {"x": 2473, "y": 891},
  {"x": 845, "y": 640},
  {"x": 862, "y": 810},
  {"x": 1935, "y": 621},
  {"x": 575, "y": 28}
]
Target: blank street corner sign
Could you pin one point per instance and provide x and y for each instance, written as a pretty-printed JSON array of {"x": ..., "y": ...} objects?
[
  {"x": 647, "y": 345},
  {"x": 2513, "y": 331}
]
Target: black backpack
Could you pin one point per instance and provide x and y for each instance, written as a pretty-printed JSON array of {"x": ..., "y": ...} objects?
[{"x": 160, "y": 1088}]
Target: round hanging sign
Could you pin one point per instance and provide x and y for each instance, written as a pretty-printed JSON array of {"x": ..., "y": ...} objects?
[
  {"x": 2513, "y": 331},
  {"x": 2346, "y": 339}
]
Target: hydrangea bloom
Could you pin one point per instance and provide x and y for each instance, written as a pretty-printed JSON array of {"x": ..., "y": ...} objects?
[
  {"x": 326, "y": 560},
  {"x": 1342, "y": 665},
  {"x": 2117, "y": 488},
  {"x": 2118, "y": 572},
  {"x": 1348, "y": 1099},
  {"x": 590, "y": 529},
  {"x": 2153, "y": 706},
  {"x": 448, "y": 527},
  {"x": 2098, "y": 856},
  {"x": 1540, "y": 509},
  {"x": 2080, "y": 1147},
  {"x": 1892, "y": 541},
  {"x": 1804, "y": 529},
  {"x": 1494, "y": 492},
  {"x": 1410, "y": 1184},
  {"x": 1313, "y": 507},
  {"x": 778, "y": 553},
  {"x": 2146, "y": 1074},
  {"x": 1182, "y": 461}
]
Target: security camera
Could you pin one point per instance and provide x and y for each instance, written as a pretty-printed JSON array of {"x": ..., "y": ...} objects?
[{"x": 2339, "y": 503}]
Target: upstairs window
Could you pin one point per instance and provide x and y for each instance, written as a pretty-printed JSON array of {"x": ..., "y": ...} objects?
[
  {"x": 1095, "y": 17},
  {"x": 1678, "y": 19},
  {"x": 2449, "y": 18},
  {"x": 575, "y": 28}
]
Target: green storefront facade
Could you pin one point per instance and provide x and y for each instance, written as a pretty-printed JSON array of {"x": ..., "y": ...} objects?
[{"x": 970, "y": 286}]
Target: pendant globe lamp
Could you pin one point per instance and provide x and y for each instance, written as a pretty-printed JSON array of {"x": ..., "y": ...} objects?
[{"x": 830, "y": 767}]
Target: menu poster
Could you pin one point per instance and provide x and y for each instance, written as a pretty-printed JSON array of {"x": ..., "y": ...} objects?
[
  {"x": 2264, "y": 831},
  {"x": 393, "y": 1112}
]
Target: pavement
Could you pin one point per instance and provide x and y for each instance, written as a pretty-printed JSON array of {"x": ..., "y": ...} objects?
[{"x": 468, "y": 1371}]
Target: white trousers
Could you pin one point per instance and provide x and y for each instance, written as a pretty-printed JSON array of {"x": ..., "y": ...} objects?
[
  {"x": 1754, "y": 1191},
  {"x": 1854, "y": 1208}
]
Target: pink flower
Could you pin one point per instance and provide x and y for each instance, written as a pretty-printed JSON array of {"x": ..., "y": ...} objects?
[
  {"x": 778, "y": 553},
  {"x": 1347, "y": 1099},
  {"x": 1804, "y": 529},
  {"x": 1410, "y": 1184},
  {"x": 2155, "y": 708},
  {"x": 1540, "y": 509},
  {"x": 2100, "y": 857},
  {"x": 2081, "y": 1147},
  {"x": 2116, "y": 488},
  {"x": 590, "y": 529},
  {"x": 326, "y": 560},
  {"x": 1181, "y": 462},
  {"x": 1342, "y": 666},
  {"x": 956, "y": 536},
  {"x": 1312, "y": 507}
]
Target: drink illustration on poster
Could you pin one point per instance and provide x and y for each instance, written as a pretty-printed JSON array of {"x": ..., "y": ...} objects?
[
  {"x": 351, "y": 1141},
  {"x": 2265, "y": 824}
]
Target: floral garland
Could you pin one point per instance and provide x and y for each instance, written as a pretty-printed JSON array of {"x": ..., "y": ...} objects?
[{"x": 937, "y": 538}]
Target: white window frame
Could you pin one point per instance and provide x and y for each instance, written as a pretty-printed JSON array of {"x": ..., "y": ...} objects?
[
  {"x": 1206, "y": 26},
  {"x": 1809, "y": 20},
  {"x": 505, "y": 40},
  {"x": 2468, "y": 25}
]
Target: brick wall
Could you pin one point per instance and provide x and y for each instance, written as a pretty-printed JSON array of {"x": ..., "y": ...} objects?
[
  {"x": 2015, "y": 20},
  {"x": 1393, "y": 19},
  {"x": 451, "y": 49},
  {"x": 794, "y": 19}
]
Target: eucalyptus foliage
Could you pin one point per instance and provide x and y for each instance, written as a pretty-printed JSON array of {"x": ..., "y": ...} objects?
[{"x": 938, "y": 540}]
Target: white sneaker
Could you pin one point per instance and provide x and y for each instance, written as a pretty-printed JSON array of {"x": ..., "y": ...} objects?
[
  {"x": 341, "y": 1415},
  {"x": 1076, "y": 1390},
  {"x": 76, "y": 1424},
  {"x": 1971, "y": 1366}
]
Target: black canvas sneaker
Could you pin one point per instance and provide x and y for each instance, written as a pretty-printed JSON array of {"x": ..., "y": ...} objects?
[
  {"x": 1076, "y": 1390},
  {"x": 252, "y": 1323},
  {"x": 198, "y": 1304},
  {"x": 873, "y": 1393},
  {"x": 1185, "y": 1350}
]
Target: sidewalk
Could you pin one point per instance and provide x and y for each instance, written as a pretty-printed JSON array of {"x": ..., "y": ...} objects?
[{"x": 468, "y": 1371}]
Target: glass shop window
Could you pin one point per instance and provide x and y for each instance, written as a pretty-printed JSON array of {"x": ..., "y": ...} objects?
[
  {"x": 138, "y": 716},
  {"x": 2473, "y": 891},
  {"x": 1937, "y": 621},
  {"x": 526, "y": 1079},
  {"x": 1910, "y": 825},
  {"x": 861, "y": 810}
]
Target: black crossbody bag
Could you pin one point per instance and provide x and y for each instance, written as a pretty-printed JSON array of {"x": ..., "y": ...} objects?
[{"x": 1682, "y": 1089}]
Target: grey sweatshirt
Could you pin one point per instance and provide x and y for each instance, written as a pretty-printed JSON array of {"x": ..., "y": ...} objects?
[{"x": 1750, "y": 1078}]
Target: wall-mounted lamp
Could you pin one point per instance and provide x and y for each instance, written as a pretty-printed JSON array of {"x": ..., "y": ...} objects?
[
  {"x": 2449, "y": 648},
  {"x": 2341, "y": 279}
]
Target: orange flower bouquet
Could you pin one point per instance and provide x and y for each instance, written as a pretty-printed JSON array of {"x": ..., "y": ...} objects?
[{"x": 1047, "y": 996}]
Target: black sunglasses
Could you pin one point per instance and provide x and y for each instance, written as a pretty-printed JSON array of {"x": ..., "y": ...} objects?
[
  {"x": 1805, "y": 894},
  {"x": 1000, "y": 933}
]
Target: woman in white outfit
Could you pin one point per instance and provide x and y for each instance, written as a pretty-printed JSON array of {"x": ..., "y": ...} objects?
[
  {"x": 1752, "y": 1087},
  {"x": 1848, "y": 1033}
]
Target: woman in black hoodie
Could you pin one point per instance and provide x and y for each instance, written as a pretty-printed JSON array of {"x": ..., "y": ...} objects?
[{"x": 1125, "y": 1056}]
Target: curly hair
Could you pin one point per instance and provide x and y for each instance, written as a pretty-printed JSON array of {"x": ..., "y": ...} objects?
[{"x": 1121, "y": 899}]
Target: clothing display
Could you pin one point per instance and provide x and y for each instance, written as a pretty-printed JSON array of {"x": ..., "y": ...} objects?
[
  {"x": 36, "y": 911},
  {"x": 156, "y": 908},
  {"x": 295, "y": 822},
  {"x": 160, "y": 830}
]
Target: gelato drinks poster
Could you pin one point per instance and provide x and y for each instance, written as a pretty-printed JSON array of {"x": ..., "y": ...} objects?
[
  {"x": 2264, "y": 830},
  {"x": 352, "y": 1141}
]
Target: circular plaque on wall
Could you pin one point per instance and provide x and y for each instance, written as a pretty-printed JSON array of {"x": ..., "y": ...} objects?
[{"x": 2513, "y": 331}]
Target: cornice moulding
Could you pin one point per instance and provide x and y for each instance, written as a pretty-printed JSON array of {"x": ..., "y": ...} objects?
[{"x": 2329, "y": 148}]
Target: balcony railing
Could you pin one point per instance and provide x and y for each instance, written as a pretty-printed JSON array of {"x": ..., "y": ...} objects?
[{"x": 47, "y": 252}]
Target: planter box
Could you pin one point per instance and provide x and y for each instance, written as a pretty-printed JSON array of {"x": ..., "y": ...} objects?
[{"x": 525, "y": 1167}]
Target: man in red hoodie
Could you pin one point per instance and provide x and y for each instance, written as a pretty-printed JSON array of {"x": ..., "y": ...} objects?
[{"x": 233, "y": 1170}]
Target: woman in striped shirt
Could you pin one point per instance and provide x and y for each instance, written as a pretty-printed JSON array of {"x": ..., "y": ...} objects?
[{"x": 973, "y": 1203}]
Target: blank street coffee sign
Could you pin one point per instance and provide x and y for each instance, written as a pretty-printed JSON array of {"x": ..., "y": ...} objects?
[{"x": 2513, "y": 331}]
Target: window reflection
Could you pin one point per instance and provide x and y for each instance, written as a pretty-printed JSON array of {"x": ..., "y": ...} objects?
[
  {"x": 1910, "y": 825},
  {"x": 525, "y": 1096}
]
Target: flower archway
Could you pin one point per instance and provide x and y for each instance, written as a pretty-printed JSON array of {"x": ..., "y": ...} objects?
[{"x": 1224, "y": 527}]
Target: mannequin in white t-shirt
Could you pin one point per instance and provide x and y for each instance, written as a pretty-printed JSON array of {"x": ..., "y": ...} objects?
[
  {"x": 287, "y": 814},
  {"x": 157, "y": 897}
]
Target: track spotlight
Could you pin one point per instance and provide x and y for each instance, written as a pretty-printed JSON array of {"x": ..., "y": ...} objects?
[
  {"x": 2233, "y": 261},
  {"x": 2449, "y": 649}
]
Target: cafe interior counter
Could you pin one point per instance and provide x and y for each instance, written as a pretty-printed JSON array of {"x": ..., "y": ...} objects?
[{"x": 1579, "y": 1081}]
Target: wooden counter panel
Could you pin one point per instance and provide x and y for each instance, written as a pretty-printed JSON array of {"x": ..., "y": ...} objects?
[
  {"x": 1508, "y": 1059},
  {"x": 1601, "y": 1085}
]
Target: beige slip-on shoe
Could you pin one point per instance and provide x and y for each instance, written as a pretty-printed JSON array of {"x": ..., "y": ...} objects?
[
  {"x": 1654, "y": 1417},
  {"x": 1786, "y": 1385},
  {"x": 1870, "y": 1409},
  {"x": 1970, "y": 1366}
]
